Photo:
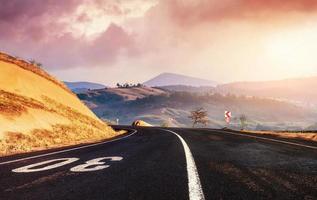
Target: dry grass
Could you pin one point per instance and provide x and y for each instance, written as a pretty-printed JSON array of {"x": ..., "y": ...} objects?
[
  {"x": 291, "y": 135},
  {"x": 135, "y": 92},
  {"x": 61, "y": 135},
  {"x": 82, "y": 129},
  {"x": 33, "y": 68},
  {"x": 14, "y": 105},
  {"x": 39, "y": 112}
]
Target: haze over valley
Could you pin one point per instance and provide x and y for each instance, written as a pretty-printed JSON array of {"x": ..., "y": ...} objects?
[{"x": 171, "y": 104}]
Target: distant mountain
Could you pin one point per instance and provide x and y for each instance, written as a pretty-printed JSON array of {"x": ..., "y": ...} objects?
[
  {"x": 79, "y": 87},
  {"x": 165, "y": 79},
  {"x": 301, "y": 89}
]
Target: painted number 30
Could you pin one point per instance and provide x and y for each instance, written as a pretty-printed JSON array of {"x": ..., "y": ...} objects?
[{"x": 90, "y": 165}]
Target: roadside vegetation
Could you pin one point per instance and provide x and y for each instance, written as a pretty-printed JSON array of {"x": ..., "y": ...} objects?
[
  {"x": 199, "y": 116},
  {"x": 302, "y": 135}
]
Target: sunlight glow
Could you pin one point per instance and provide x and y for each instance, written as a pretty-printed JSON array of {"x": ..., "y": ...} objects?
[
  {"x": 96, "y": 19},
  {"x": 293, "y": 50}
]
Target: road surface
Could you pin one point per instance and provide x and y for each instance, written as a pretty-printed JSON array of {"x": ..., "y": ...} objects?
[{"x": 155, "y": 163}]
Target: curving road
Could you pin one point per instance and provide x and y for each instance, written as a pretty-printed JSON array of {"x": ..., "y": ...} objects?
[{"x": 155, "y": 163}]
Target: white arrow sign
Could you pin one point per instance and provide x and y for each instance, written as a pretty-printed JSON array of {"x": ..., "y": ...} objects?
[{"x": 228, "y": 116}]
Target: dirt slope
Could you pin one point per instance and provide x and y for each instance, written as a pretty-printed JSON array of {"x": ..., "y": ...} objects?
[{"x": 37, "y": 111}]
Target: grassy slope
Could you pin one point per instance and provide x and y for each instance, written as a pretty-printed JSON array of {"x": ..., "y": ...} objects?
[
  {"x": 37, "y": 112},
  {"x": 128, "y": 94},
  {"x": 310, "y": 136}
]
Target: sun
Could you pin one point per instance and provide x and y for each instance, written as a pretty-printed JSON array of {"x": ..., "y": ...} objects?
[
  {"x": 292, "y": 50},
  {"x": 285, "y": 48}
]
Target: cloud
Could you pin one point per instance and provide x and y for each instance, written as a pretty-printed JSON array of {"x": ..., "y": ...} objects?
[
  {"x": 68, "y": 51},
  {"x": 190, "y": 12},
  {"x": 36, "y": 30},
  {"x": 173, "y": 35},
  {"x": 18, "y": 19}
]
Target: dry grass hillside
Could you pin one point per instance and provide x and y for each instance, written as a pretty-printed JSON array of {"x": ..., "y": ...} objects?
[
  {"x": 129, "y": 94},
  {"x": 310, "y": 136},
  {"x": 37, "y": 111}
]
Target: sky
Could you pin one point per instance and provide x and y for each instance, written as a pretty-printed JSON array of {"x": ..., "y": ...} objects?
[{"x": 110, "y": 41}]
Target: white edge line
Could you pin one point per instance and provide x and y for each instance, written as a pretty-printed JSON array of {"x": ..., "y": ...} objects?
[
  {"x": 269, "y": 139},
  {"x": 67, "y": 150},
  {"x": 194, "y": 185}
]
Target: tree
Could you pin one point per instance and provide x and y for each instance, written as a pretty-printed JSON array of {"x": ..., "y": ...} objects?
[
  {"x": 165, "y": 123},
  {"x": 39, "y": 64},
  {"x": 33, "y": 62},
  {"x": 199, "y": 116},
  {"x": 243, "y": 121}
]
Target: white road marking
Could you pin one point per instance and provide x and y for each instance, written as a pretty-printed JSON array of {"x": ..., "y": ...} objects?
[
  {"x": 194, "y": 185},
  {"x": 67, "y": 150},
  {"x": 28, "y": 168},
  {"x": 269, "y": 139},
  {"x": 95, "y": 162}
]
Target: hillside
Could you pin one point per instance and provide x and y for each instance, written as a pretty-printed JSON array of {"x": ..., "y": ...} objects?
[
  {"x": 301, "y": 89},
  {"x": 166, "y": 79},
  {"x": 78, "y": 87},
  {"x": 37, "y": 111},
  {"x": 107, "y": 95},
  {"x": 185, "y": 88},
  {"x": 173, "y": 108}
]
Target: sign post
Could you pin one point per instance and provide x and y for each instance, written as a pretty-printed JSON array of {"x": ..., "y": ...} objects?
[{"x": 228, "y": 116}]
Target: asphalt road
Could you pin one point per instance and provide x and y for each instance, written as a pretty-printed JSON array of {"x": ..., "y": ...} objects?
[{"x": 153, "y": 163}]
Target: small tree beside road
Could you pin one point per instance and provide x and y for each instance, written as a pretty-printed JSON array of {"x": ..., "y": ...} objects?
[
  {"x": 243, "y": 121},
  {"x": 199, "y": 116}
]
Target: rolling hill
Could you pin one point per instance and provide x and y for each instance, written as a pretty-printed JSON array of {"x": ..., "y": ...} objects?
[
  {"x": 301, "y": 89},
  {"x": 185, "y": 88},
  {"x": 37, "y": 111},
  {"x": 109, "y": 95},
  {"x": 78, "y": 87},
  {"x": 160, "y": 107},
  {"x": 166, "y": 79}
]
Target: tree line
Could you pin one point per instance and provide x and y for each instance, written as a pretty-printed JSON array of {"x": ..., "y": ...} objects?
[{"x": 129, "y": 85}]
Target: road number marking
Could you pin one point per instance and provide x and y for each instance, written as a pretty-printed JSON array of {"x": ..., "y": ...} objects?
[
  {"x": 68, "y": 150},
  {"x": 95, "y": 162},
  {"x": 65, "y": 161},
  {"x": 30, "y": 168}
]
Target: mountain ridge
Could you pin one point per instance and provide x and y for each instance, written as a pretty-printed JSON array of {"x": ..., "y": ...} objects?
[
  {"x": 165, "y": 79},
  {"x": 80, "y": 86},
  {"x": 294, "y": 89}
]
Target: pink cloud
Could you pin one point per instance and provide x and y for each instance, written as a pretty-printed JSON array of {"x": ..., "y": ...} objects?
[
  {"x": 30, "y": 28},
  {"x": 190, "y": 12},
  {"x": 67, "y": 51},
  {"x": 28, "y": 31}
]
